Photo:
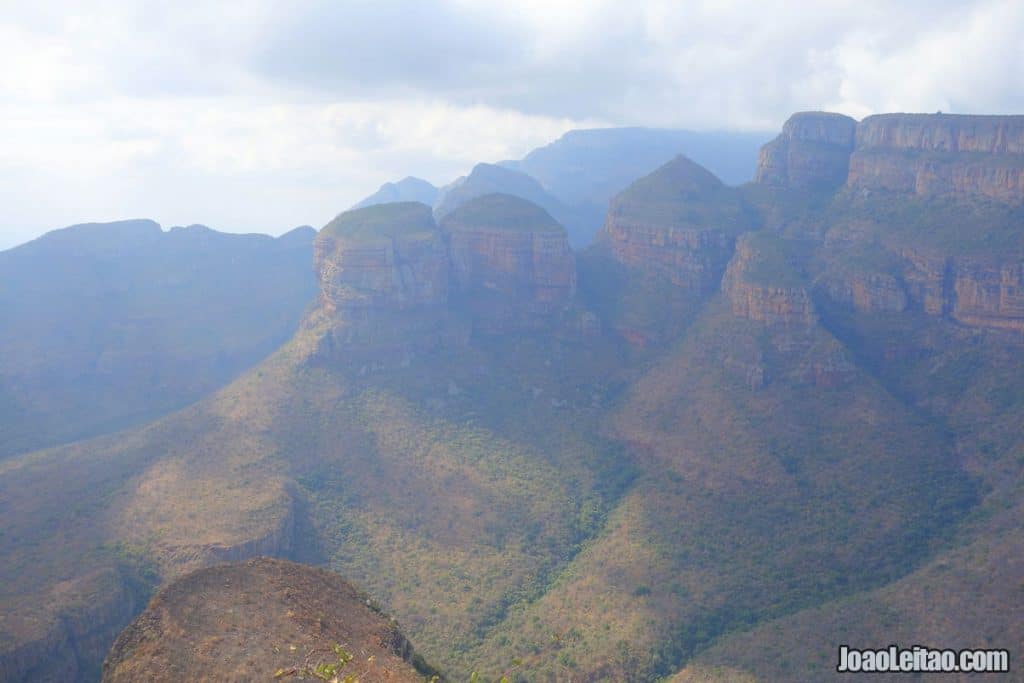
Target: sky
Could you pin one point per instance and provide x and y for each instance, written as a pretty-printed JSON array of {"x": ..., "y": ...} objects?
[{"x": 259, "y": 115}]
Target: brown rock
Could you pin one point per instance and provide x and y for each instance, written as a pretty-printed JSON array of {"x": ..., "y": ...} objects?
[
  {"x": 388, "y": 255},
  {"x": 510, "y": 261},
  {"x": 940, "y": 154},
  {"x": 247, "y": 621},
  {"x": 868, "y": 292},
  {"x": 761, "y": 288},
  {"x": 813, "y": 151},
  {"x": 678, "y": 223}
]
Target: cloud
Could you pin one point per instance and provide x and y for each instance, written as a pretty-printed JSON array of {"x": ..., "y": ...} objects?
[{"x": 264, "y": 114}]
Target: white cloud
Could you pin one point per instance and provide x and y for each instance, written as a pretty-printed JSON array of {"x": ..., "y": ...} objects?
[{"x": 262, "y": 115}]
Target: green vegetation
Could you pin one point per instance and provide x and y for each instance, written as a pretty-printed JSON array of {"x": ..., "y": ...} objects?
[
  {"x": 672, "y": 486},
  {"x": 775, "y": 262},
  {"x": 382, "y": 222},
  {"x": 683, "y": 195},
  {"x": 500, "y": 212}
]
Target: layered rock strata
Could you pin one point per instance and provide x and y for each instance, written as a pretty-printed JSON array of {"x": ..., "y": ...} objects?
[{"x": 756, "y": 292}]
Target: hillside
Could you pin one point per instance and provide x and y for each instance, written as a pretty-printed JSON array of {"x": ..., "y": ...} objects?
[
  {"x": 259, "y": 620},
  {"x": 108, "y": 325}
]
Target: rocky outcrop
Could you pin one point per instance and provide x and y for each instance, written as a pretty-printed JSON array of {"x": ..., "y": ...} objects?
[
  {"x": 942, "y": 133},
  {"x": 760, "y": 287},
  {"x": 259, "y": 620},
  {"x": 692, "y": 259},
  {"x": 973, "y": 291},
  {"x": 921, "y": 154},
  {"x": 510, "y": 261},
  {"x": 929, "y": 174},
  {"x": 867, "y": 292},
  {"x": 383, "y": 256},
  {"x": 678, "y": 223},
  {"x": 813, "y": 152}
]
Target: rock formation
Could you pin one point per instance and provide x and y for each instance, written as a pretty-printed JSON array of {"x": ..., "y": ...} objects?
[
  {"x": 760, "y": 287},
  {"x": 813, "y": 152},
  {"x": 921, "y": 154},
  {"x": 250, "y": 621},
  {"x": 383, "y": 256},
  {"x": 678, "y": 222},
  {"x": 505, "y": 244},
  {"x": 392, "y": 284}
]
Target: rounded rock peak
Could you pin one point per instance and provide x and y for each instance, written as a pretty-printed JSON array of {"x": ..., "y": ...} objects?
[
  {"x": 498, "y": 211},
  {"x": 381, "y": 222}
]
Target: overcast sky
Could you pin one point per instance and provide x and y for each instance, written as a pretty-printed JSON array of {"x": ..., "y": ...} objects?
[{"x": 258, "y": 116}]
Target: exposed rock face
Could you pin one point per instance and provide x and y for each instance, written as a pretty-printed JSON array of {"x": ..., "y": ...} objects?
[
  {"x": 389, "y": 276},
  {"x": 973, "y": 291},
  {"x": 692, "y": 259},
  {"x": 250, "y": 620},
  {"x": 679, "y": 222},
  {"x": 764, "y": 298},
  {"x": 939, "y": 173},
  {"x": 402, "y": 263},
  {"x": 812, "y": 152},
  {"x": 942, "y": 133},
  {"x": 508, "y": 249},
  {"x": 384, "y": 278},
  {"x": 922, "y": 154},
  {"x": 868, "y": 292}
]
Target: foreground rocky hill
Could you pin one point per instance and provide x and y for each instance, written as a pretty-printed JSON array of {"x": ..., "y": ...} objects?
[
  {"x": 259, "y": 620},
  {"x": 747, "y": 425}
]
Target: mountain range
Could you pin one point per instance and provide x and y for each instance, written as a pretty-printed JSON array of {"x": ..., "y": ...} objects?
[
  {"x": 747, "y": 424},
  {"x": 574, "y": 177}
]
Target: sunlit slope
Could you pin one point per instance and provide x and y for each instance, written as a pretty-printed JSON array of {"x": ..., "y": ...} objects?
[{"x": 751, "y": 502}]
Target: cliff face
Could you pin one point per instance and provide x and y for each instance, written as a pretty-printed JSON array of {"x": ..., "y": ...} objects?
[
  {"x": 393, "y": 284},
  {"x": 921, "y": 154},
  {"x": 678, "y": 223},
  {"x": 537, "y": 267},
  {"x": 973, "y": 291},
  {"x": 942, "y": 133},
  {"x": 401, "y": 265},
  {"x": 511, "y": 263},
  {"x": 691, "y": 259},
  {"x": 759, "y": 287},
  {"x": 812, "y": 152},
  {"x": 868, "y": 292}
]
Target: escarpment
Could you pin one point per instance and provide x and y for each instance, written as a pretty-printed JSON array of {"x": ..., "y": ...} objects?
[
  {"x": 255, "y": 620},
  {"x": 812, "y": 152},
  {"x": 924, "y": 155}
]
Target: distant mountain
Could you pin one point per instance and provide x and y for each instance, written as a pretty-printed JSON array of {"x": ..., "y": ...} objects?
[
  {"x": 490, "y": 179},
  {"x": 574, "y": 177},
  {"x": 495, "y": 179},
  {"x": 109, "y": 324},
  {"x": 590, "y": 166},
  {"x": 409, "y": 189}
]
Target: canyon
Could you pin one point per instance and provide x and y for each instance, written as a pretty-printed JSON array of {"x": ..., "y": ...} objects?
[{"x": 740, "y": 405}]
